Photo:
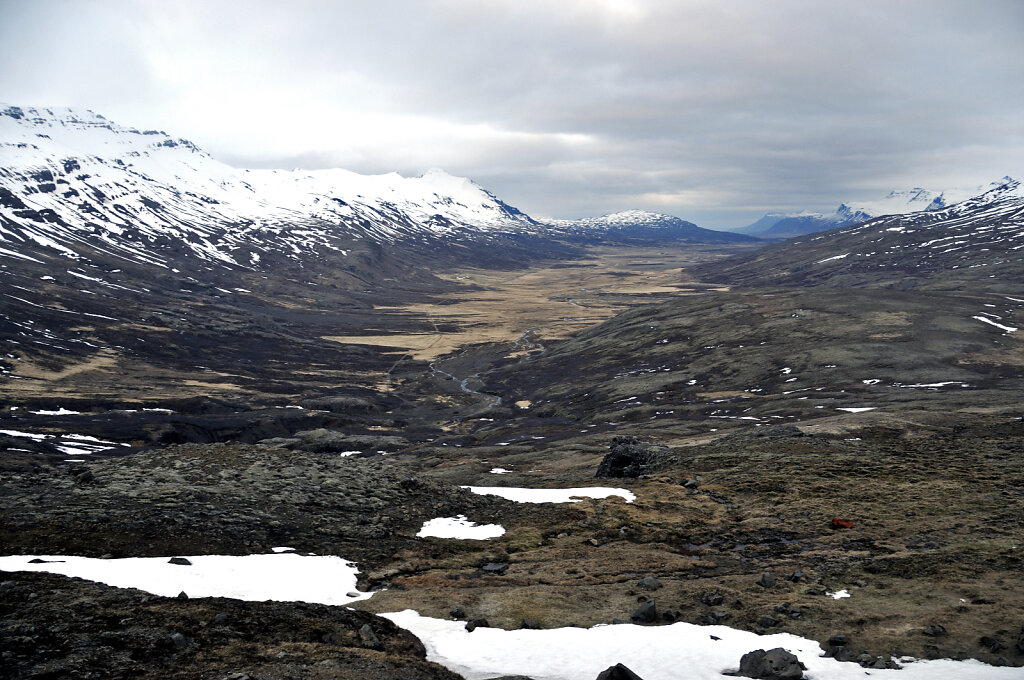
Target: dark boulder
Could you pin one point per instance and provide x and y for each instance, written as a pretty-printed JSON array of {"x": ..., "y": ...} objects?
[
  {"x": 618, "y": 672},
  {"x": 477, "y": 623},
  {"x": 631, "y": 457},
  {"x": 712, "y": 598},
  {"x": 645, "y": 613},
  {"x": 775, "y": 664},
  {"x": 495, "y": 568},
  {"x": 649, "y": 583}
]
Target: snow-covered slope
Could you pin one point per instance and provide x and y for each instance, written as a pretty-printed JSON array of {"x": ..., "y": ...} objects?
[
  {"x": 640, "y": 224},
  {"x": 855, "y": 212},
  {"x": 71, "y": 177}
]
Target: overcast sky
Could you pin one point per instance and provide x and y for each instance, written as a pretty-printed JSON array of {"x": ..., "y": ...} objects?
[{"x": 716, "y": 111}]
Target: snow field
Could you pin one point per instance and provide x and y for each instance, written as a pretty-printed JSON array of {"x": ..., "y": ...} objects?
[{"x": 671, "y": 652}]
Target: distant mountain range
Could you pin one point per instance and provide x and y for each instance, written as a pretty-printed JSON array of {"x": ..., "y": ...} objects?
[
  {"x": 643, "y": 225},
  {"x": 784, "y": 225},
  {"x": 973, "y": 245},
  {"x": 72, "y": 181}
]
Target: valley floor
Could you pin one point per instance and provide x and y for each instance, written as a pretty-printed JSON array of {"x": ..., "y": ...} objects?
[{"x": 792, "y": 446}]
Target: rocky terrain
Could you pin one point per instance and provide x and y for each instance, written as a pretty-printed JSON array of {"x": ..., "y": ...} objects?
[
  {"x": 55, "y": 627},
  {"x": 823, "y": 436}
]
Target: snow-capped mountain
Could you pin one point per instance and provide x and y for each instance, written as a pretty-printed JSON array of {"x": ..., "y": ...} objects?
[
  {"x": 640, "y": 224},
  {"x": 976, "y": 244},
  {"x": 855, "y": 212},
  {"x": 70, "y": 178}
]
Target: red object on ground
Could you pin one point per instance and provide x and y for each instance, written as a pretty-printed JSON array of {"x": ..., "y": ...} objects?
[{"x": 841, "y": 523}]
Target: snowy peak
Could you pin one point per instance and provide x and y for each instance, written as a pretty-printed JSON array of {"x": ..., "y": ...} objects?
[
  {"x": 625, "y": 218},
  {"x": 79, "y": 132},
  {"x": 71, "y": 177},
  {"x": 641, "y": 224}
]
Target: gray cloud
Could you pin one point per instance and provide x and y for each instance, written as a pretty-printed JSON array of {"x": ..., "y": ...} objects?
[{"x": 712, "y": 111}]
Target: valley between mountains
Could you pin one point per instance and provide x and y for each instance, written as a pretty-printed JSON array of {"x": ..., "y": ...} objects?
[{"x": 819, "y": 437}]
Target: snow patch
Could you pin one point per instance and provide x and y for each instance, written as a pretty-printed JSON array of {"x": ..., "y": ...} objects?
[
  {"x": 459, "y": 527},
  {"x": 283, "y": 577},
  {"x": 653, "y": 653},
  {"x": 521, "y": 495}
]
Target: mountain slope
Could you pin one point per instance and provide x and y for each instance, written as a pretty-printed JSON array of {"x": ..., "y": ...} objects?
[
  {"x": 640, "y": 225},
  {"x": 847, "y": 214},
  {"x": 977, "y": 244},
  {"x": 71, "y": 178}
]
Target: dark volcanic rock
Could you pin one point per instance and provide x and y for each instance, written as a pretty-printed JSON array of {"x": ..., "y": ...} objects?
[
  {"x": 775, "y": 664},
  {"x": 618, "y": 672},
  {"x": 477, "y": 623},
  {"x": 630, "y": 457},
  {"x": 54, "y": 626},
  {"x": 229, "y": 498},
  {"x": 645, "y": 613},
  {"x": 649, "y": 583}
]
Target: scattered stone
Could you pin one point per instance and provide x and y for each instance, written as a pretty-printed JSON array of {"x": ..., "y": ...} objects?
[
  {"x": 931, "y": 652},
  {"x": 530, "y": 624},
  {"x": 477, "y": 623},
  {"x": 713, "y": 618},
  {"x": 649, "y": 583},
  {"x": 220, "y": 619},
  {"x": 767, "y": 580},
  {"x": 183, "y": 595},
  {"x": 495, "y": 568},
  {"x": 179, "y": 560},
  {"x": 1020, "y": 641},
  {"x": 775, "y": 664},
  {"x": 370, "y": 638},
  {"x": 768, "y": 621},
  {"x": 712, "y": 598},
  {"x": 934, "y": 630},
  {"x": 838, "y": 640},
  {"x": 618, "y": 672},
  {"x": 671, "y": 615},
  {"x": 691, "y": 484},
  {"x": 797, "y": 576},
  {"x": 457, "y": 613},
  {"x": 178, "y": 640},
  {"x": 630, "y": 457},
  {"x": 645, "y": 613},
  {"x": 992, "y": 644}
]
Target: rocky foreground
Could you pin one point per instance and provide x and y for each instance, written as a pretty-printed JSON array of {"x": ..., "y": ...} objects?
[
  {"x": 917, "y": 518},
  {"x": 55, "y": 627}
]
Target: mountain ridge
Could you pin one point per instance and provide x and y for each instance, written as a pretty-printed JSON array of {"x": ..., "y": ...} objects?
[{"x": 896, "y": 202}]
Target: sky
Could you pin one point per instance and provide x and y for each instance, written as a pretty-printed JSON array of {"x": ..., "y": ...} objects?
[{"x": 716, "y": 111}]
